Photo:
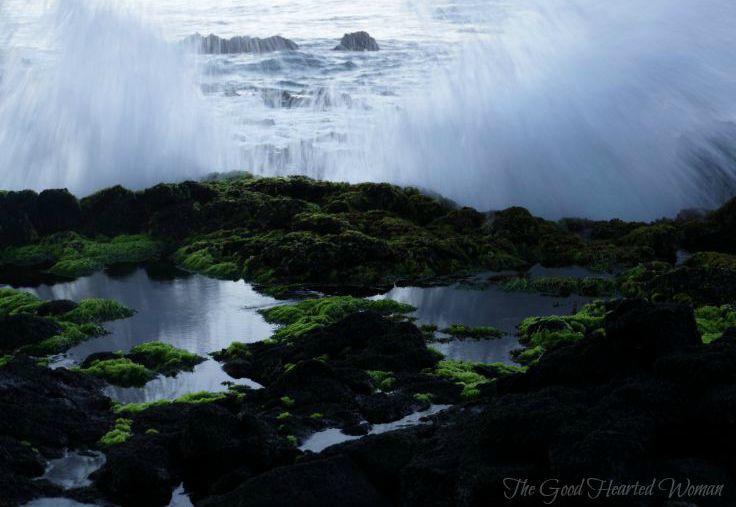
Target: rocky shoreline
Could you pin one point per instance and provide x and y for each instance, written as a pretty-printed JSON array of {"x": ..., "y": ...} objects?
[{"x": 634, "y": 387}]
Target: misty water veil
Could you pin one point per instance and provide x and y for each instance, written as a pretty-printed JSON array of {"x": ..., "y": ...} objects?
[{"x": 591, "y": 108}]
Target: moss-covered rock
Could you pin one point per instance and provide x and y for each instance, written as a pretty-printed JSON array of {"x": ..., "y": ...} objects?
[
  {"x": 539, "y": 334},
  {"x": 31, "y": 326},
  {"x": 299, "y": 318},
  {"x": 477, "y": 332},
  {"x": 71, "y": 255},
  {"x": 473, "y": 376},
  {"x": 714, "y": 320},
  {"x": 163, "y": 358},
  {"x": 140, "y": 365},
  {"x": 562, "y": 286},
  {"x": 120, "y": 371}
]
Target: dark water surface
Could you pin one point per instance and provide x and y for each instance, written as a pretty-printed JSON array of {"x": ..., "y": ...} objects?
[
  {"x": 189, "y": 311},
  {"x": 490, "y": 306}
]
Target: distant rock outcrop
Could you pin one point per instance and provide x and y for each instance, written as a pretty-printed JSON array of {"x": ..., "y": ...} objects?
[
  {"x": 357, "y": 41},
  {"x": 212, "y": 44}
]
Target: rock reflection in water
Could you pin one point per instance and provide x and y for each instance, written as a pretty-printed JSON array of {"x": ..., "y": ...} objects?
[
  {"x": 206, "y": 376},
  {"x": 491, "y": 306}
]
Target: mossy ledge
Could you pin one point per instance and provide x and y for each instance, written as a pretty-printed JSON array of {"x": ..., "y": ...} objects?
[
  {"x": 140, "y": 365},
  {"x": 287, "y": 234},
  {"x": 33, "y": 326}
]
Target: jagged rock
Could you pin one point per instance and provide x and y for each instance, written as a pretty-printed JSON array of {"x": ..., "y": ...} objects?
[
  {"x": 212, "y": 44},
  {"x": 56, "y": 307},
  {"x": 25, "y": 329},
  {"x": 334, "y": 481},
  {"x": 51, "y": 408},
  {"x": 357, "y": 41},
  {"x": 137, "y": 473},
  {"x": 58, "y": 210}
]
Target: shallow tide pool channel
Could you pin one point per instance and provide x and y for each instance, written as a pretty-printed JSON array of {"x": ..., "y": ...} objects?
[{"x": 203, "y": 315}]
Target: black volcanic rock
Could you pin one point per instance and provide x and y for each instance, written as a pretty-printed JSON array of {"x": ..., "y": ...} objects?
[
  {"x": 43, "y": 412},
  {"x": 357, "y": 41},
  {"x": 212, "y": 44},
  {"x": 25, "y": 329}
]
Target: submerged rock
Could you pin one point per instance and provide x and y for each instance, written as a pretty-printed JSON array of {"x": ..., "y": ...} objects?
[
  {"x": 212, "y": 44},
  {"x": 357, "y": 41}
]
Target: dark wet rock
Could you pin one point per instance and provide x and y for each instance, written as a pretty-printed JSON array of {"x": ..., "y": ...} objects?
[
  {"x": 384, "y": 407},
  {"x": 20, "y": 468},
  {"x": 715, "y": 232},
  {"x": 137, "y": 473},
  {"x": 111, "y": 211},
  {"x": 98, "y": 356},
  {"x": 208, "y": 445},
  {"x": 334, "y": 481},
  {"x": 364, "y": 340},
  {"x": 17, "y": 212},
  {"x": 212, "y": 44},
  {"x": 651, "y": 330},
  {"x": 215, "y": 442},
  {"x": 644, "y": 399},
  {"x": 58, "y": 210},
  {"x": 51, "y": 408},
  {"x": 714, "y": 286},
  {"x": 56, "y": 307},
  {"x": 637, "y": 333},
  {"x": 357, "y": 41},
  {"x": 25, "y": 329}
]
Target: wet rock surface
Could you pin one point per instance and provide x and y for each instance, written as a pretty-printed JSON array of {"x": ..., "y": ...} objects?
[
  {"x": 43, "y": 412},
  {"x": 357, "y": 41},
  {"x": 212, "y": 44}
]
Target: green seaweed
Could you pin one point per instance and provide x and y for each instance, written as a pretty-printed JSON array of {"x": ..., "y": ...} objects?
[
  {"x": 714, "y": 320},
  {"x": 472, "y": 376},
  {"x": 549, "y": 331},
  {"x": 97, "y": 310},
  {"x": 479, "y": 332},
  {"x": 119, "y": 434},
  {"x": 120, "y": 371},
  {"x": 191, "y": 398},
  {"x": 562, "y": 286},
  {"x": 163, "y": 358},
  {"x": 299, "y": 318},
  {"x": 72, "y": 255},
  {"x": 383, "y": 380}
]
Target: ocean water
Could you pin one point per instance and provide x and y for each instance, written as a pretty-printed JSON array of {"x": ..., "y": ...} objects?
[{"x": 568, "y": 107}]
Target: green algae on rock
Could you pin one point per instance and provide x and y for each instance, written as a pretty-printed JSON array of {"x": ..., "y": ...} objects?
[
  {"x": 119, "y": 434},
  {"x": 541, "y": 333},
  {"x": 304, "y": 316},
  {"x": 72, "y": 255},
  {"x": 562, "y": 286},
  {"x": 471, "y": 376},
  {"x": 140, "y": 365},
  {"x": 119, "y": 371},
  {"x": 713, "y": 321},
  {"x": 53, "y": 331},
  {"x": 478, "y": 332},
  {"x": 190, "y": 398},
  {"x": 163, "y": 358}
]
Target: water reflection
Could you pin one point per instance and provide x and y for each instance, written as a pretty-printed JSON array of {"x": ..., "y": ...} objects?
[
  {"x": 491, "y": 306},
  {"x": 332, "y": 436},
  {"x": 192, "y": 312},
  {"x": 206, "y": 376},
  {"x": 73, "y": 469}
]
